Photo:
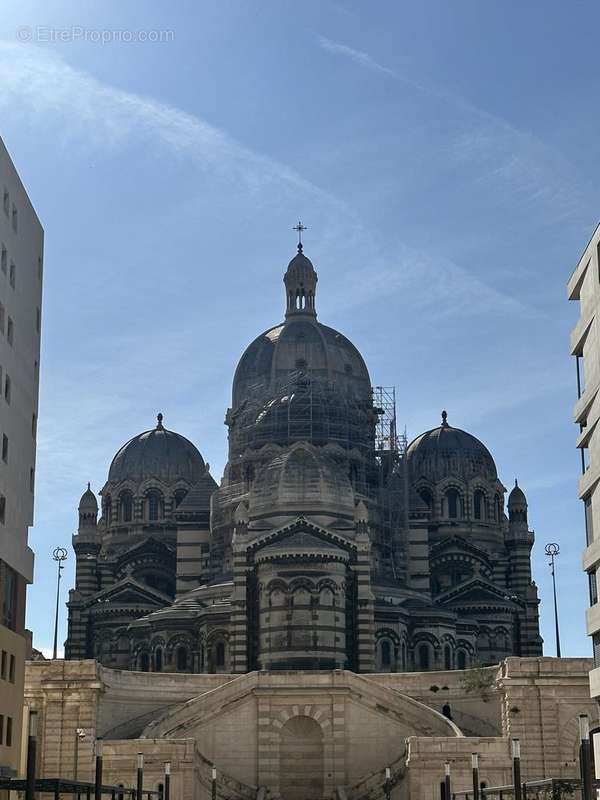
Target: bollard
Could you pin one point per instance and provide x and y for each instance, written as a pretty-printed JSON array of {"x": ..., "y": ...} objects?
[
  {"x": 167, "y": 780},
  {"x": 475, "y": 767},
  {"x": 447, "y": 786},
  {"x": 585, "y": 757},
  {"x": 31, "y": 756},
  {"x": 214, "y": 783},
  {"x": 516, "y": 757},
  {"x": 98, "y": 776},
  {"x": 140, "y": 776}
]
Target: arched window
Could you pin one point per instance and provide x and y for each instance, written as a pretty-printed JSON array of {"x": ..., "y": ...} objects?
[
  {"x": 453, "y": 500},
  {"x": 426, "y": 497},
  {"x": 125, "y": 507},
  {"x": 447, "y": 657},
  {"x": 158, "y": 659},
  {"x": 479, "y": 505},
  {"x": 461, "y": 659},
  {"x": 403, "y": 651},
  {"x": 386, "y": 653},
  {"x": 178, "y": 496},
  {"x": 497, "y": 509},
  {"x": 154, "y": 506},
  {"x": 108, "y": 509},
  {"x": 424, "y": 657},
  {"x": 220, "y": 654},
  {"x": 145, "y": 662},
  {"x": 182, "y": 659}
]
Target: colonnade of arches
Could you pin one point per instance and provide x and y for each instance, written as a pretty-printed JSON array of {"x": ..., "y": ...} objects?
[
  {"x": 152, "y": 505},
  {"x": 456, "y": 502},
  {"x": 181, "y": 655}
]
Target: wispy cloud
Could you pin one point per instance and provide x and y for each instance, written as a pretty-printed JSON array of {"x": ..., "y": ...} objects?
[
  {"x": 36, "y": 81},
  {"x": 41, "y": 83},
  {"x": 359, "y": 56},
  {"x": 531, "y": 169}
]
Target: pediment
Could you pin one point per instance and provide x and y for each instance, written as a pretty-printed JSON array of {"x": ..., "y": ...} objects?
[
  {"x": 304, "y": 535},
  {"x": 458, "y": 543},
  {"x": 128, "y": 592},
  {"x": 476, "y": 592},
  {"x": 302, "y": 540}
]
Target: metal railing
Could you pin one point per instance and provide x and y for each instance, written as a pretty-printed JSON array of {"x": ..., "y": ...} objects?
[
  {"x": 551, "y": 788},
  {"x": 79, "y": 789}
]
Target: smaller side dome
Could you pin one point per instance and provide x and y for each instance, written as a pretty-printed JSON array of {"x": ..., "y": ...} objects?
[
  {"x": 158, "y": 453},
  {"x": 450, "y": 452},
  {"x": 88, "y": 501}
]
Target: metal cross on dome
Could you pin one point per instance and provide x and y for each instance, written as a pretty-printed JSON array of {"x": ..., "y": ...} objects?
[{"x": 300, "y": 228}]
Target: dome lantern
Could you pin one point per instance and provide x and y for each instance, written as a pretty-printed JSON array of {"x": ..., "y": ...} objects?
[{"x": 300, "y": 282}]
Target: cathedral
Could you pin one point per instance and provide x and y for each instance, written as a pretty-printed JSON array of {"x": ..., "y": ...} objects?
[
  {"x": 336, "y": 618},
  {"x": 329, "y": 543}
]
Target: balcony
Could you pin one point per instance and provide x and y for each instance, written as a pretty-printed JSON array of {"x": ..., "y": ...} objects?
[{"x": 580, "y": 331}]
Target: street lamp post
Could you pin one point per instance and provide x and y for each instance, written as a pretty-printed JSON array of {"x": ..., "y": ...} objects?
[
  {"x": 388, "y": 783},
  {"x": 552, "y": 550},
  {"x": 59, "y": 554}
]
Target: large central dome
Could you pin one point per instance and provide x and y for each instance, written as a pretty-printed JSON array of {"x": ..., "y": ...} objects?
[{"x": 300, "y": 344}]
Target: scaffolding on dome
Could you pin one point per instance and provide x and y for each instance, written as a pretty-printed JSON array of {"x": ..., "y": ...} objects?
[{"x": 304, "y": 407}]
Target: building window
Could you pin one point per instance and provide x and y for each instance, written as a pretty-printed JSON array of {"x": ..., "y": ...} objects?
[
  {"x": 447, "y": 657},
  {"x": 33, "y": 423},
  {"x": 10, "y": 331},
  {"x": 11, "y": 669},
  {"x": 154, "y": 506},
  {"x": 145, "y": 662},
  {"x": 9, "y": 731},
  {"x": 593, "y": 587},
  {"x": 1, "y": 728},
  {"x": 179, "y": 495},
  {"x": 158, "y": 660},
  {"x": 589, "y": 520},
  {"x": 426, "y": 497},
  {"x": 12, "y": 275},
  {"x": 424, "y": 657},
  {"x": 9, "y": 598},
  {"x": 386, "y": 653},
  {"x": 2, "y": 318},
  {"x": 461, "y": 659},
  {"x": 4, "y": 259},
  {"x": 5, "y": 448},
  {"x": 596, "y": 647},
  {"x": 453, "y": 501},
  {"x": 7, "y": 388},
  {"x": 14, "y": 218},
  {"x": 3, "y": 659},
  {"x": 478, "y": 505},
  {"x": 6, "y": 202},
  {"x": 220, "y": 654},
  {"x": 2, "y": 509},
  {"x": 182, "y": 659},
  {"x": 126, "y": 507}
]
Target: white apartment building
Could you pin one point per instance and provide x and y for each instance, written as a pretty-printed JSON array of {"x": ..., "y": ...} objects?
[{"x": 21, "y": 262}]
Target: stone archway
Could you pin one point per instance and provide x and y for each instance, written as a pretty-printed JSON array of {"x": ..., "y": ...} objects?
[{"x": 301, "y": 759}]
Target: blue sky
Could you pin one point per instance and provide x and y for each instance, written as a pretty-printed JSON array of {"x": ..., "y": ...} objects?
[{"x": 444, "y": 157}]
